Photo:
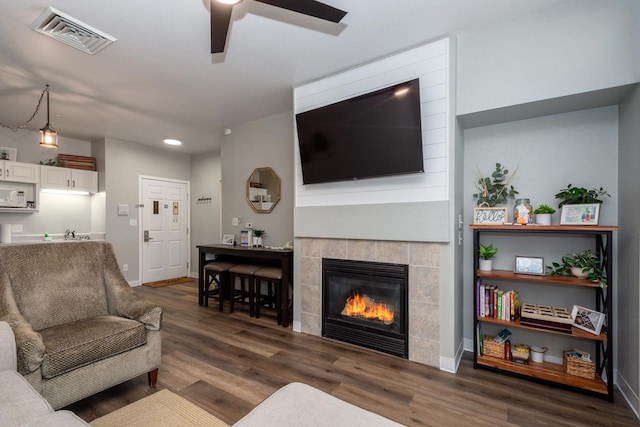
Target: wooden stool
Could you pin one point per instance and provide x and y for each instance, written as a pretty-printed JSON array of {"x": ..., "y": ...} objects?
[
  {"x": 217, "y": 272},
  {"x": 245, "y": 273},
  {"x": 273, "y": 277}
]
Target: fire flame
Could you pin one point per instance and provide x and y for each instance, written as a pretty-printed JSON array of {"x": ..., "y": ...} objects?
[{"x": 360, "y": 305}]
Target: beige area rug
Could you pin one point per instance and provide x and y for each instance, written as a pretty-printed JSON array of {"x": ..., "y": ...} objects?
[
  {"x": 161, "y": 409},
  {"x": 168, "y": 282}
]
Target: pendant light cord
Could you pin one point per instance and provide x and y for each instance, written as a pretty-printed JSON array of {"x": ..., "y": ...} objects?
[{"x": 35, "y": 113}]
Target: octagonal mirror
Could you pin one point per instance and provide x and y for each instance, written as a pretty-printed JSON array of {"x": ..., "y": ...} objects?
[{"x": 263, "y": 190}]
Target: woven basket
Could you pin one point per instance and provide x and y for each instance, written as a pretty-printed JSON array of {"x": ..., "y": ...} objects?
[
  {"x": 579, "y": 368},
  {"x": 492, "y": 348}
]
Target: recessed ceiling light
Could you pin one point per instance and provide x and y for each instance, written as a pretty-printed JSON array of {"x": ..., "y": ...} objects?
[{"x": 172, "y": 141}]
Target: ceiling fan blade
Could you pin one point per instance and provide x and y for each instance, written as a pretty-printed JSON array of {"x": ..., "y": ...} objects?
[
  {"x": 220, "y": 20},
  {"x": 309, "y": 7}
]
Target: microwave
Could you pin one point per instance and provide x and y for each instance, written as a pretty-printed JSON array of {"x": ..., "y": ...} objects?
[{"x": 12, "y": 198}]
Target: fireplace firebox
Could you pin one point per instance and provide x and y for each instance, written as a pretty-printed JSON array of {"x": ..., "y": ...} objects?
[{"x": 365, "y": 303}]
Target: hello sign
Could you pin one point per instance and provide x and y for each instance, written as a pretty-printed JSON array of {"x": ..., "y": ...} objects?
[{"x": 489, "y": 216}]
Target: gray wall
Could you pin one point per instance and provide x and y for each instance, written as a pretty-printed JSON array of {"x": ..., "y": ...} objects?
[
  {"x": 260, "y": 143},
  {"x": 124, "y": 163},
  {"x": 628, "y": 252},
  {"x": 206, "y": 174},
  {"x": 578, "y": 46}
]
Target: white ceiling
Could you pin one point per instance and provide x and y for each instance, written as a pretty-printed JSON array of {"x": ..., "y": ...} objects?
[{"x": 160, "y": 80}]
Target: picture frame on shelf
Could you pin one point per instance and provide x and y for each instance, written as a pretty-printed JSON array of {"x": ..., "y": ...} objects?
[
  {"x": 8, "y": 153},
  {"x": 228, "y": 239},
  {"x": 490, "y": 216},
  {"x": 529, "y": 265},
  {"x": 587, "y": 319},
  {"x": 587, "y": 214}
]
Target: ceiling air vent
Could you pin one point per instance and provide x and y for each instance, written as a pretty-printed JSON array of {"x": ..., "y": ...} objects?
[{"x": 70, "y": 31}]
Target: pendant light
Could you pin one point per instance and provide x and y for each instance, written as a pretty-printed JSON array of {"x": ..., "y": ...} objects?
[{"x": 49, "y": 136}]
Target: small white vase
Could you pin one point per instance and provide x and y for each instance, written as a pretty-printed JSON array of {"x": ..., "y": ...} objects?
[
  {"x": 577, "y": 271},
  {"x": 257, "y": 242},
  {"x": 543, "y": 219},
  {"x": 485, "y": 264}
]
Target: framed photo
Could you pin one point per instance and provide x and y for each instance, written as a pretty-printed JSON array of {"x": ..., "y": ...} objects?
[
  {"x": 580, "y": 214},
  {"x": 587, "y": 319},
  {"x": 490, "y": 216},
  {"x": 228, "y": 239},
  {"x": 7, "y": 153},
  {"x": 529, "y": 265}
]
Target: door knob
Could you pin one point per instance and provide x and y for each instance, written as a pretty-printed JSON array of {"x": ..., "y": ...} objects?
[{"x": 146, "y": 236}]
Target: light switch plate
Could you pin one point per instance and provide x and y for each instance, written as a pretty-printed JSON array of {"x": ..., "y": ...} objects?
[
  {"x": 133, "y": 222},
  {"x": 16, "y": 228},
  {"x": 123, "y": 209}
]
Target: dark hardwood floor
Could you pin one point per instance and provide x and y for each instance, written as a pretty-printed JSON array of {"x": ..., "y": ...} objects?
[{"x": 228, "y": 363}]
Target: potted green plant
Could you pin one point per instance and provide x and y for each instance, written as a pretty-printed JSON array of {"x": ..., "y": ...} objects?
[
  {"x": 580, "y": 195},
  {"x": 495, "y": 189},
  {"x": 258, "y": 237},
  {"x": 486, "y": 255},
  {"x": 584, "y": 265},
  {"x": 543, "y": 214}
]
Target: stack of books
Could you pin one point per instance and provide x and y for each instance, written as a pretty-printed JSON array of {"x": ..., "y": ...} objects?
[{"x": 497, "y": 303}]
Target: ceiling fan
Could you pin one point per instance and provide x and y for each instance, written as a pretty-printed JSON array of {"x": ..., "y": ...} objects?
[{"x": 221, "y": 16}]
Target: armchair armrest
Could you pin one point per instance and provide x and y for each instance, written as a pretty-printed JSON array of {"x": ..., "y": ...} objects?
[
  {"x": 122, "y": 300},
  {"x": 131, "y": 306},
  {"x": 29, "y": 347},
  {"x": 7, "y": 348}
]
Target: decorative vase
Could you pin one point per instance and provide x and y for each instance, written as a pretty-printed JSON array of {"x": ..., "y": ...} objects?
[
  {"x": 577, "y": 271},
  {"x": 543, "y": 219},
  {"x": 257, "y": 242},
  {"x": 485, "y": 264}
]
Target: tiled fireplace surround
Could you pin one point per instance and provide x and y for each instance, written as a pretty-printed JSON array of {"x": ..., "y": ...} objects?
[{"x": 423, "y": 260}]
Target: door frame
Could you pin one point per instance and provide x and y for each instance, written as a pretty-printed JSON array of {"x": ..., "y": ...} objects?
[{"x": 141, "y": 225}]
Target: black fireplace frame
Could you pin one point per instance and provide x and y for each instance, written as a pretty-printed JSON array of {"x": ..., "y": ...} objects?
[{"x": 361, "y": 333}]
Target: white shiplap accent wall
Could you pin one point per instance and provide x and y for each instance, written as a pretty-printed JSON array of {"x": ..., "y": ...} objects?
[{"x": 430, "y": 64}]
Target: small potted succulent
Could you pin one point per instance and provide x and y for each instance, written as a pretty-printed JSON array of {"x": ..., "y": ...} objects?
[
  {"x": 543, "y": 214},
  {"x": 585, "y": 265},
  {"x": 258, "y": 237},
  {"x": 486, "y": 253}
]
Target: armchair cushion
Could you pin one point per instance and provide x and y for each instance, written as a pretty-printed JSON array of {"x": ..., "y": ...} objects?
[{"x": 86, "y": 341}]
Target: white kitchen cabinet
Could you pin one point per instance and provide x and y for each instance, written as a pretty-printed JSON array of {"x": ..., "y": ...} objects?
[
  {"x": 56, "y": 178},
  {"x": 19, "y": 172}
]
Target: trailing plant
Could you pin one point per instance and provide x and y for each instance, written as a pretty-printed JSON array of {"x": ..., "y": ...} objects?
[
  {"x": 580, "y": 195},
  {"x": 487, "y": 252},
  {"x": 495, "y": 189},
  {"x": 586, "y": 260},
  {"x": 544, "y": 209}
]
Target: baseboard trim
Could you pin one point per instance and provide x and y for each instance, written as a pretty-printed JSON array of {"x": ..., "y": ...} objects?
[
  {"x": 448, "y": 364},
  {"x": 627, "y": 392}
]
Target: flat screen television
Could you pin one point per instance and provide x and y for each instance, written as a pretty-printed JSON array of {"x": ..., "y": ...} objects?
[{"x": 372, "y": 135}]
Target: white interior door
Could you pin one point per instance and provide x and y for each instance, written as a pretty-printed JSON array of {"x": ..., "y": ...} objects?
[{"x": 165, "y": 229}]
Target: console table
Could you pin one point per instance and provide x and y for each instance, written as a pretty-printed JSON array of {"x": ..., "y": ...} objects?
[{"x": 249, "y": 254}]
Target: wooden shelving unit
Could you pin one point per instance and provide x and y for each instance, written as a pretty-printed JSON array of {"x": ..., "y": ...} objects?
[{"x": 546, "y": 372}]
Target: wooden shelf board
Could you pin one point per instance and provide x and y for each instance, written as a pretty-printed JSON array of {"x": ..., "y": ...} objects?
[
  {"x": 546, "y": 371},
  {"x": 556, "y": 280},
  {"x": 534, "y": 227},
  {"x": 575, "y": 332}
]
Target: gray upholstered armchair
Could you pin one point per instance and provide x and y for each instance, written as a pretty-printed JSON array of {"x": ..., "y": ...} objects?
[{"x": 79, "y": 327}]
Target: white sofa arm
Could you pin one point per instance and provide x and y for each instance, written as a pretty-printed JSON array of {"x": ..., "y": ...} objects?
[{"x": 8, "y": 358}]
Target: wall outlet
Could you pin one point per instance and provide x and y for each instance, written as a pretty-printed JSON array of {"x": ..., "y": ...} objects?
[
  {"x": 125, "y": 267},
  {"x": 16, "y": 228}
]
